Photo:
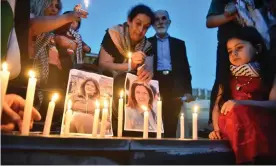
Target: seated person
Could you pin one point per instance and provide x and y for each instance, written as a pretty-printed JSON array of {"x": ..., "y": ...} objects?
[{"x": 244, "y": 111}]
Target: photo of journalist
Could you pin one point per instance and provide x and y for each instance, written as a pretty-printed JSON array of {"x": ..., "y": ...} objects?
[
  {"x": 84, "y": 91},
  {"x": 140, "y": 94}
]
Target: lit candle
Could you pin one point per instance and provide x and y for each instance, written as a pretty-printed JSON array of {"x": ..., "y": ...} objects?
[
  {"x": 29, "y": 104},
  {"x": 129, "y": 61},
  {"x": 86, "y": 4},
  {"x": 49, "y": 116},
  {"x": 96, "y": 119},
  {"x": 182, "y": 127},
  {"x": 104, "y": 118},
  {"x": 146, "y": 122},
  {"x": 68, "y": 118},
  {"x": 120, "y": 115},
  {"x": 195, "y": 114},
  {"x": 159, "y": 118},
  {"x": 4, "y": 77}
]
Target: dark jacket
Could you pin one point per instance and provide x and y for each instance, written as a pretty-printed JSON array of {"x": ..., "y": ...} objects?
[{"x": 180, "y": 65}]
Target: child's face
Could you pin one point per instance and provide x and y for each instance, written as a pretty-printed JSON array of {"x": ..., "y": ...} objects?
[{"x": 240, "y": 52}]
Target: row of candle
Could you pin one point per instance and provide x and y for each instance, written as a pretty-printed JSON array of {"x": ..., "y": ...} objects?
[{"x": 4, "y": 75}]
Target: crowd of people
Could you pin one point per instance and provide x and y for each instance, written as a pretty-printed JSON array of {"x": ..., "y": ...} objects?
[{"x": 243, "y": 100}]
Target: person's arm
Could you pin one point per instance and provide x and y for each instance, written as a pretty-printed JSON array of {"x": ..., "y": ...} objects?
[
  {"x": 85, "y": 47},
  {"x": 65, "y": 42},
  {"x": 43, "y": 24},
  {"x": 216, "y": 111},
  {"x": 106, "y": 61},
  {"x": 270, "y": 104},
  {"x": 218, "y": 14},
  {"x": 214, "y": 21}
]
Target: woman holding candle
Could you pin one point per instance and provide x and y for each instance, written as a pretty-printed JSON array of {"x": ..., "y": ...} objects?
[
  {"x": 245, "y": 107},
  {"x": 44, "y": 20},
  {"x": 140, "y": 95}
]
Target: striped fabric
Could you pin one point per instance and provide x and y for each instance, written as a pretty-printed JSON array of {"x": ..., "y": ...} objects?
[
  {"x": 78, "y": 38},
  {"x": 250, "y": 69},
  {"x": 120, "y": 37},
  {"x": 252, "y": 17}
]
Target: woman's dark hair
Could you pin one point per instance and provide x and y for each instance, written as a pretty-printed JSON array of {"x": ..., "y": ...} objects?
[
  {"x": 131, "y": 97},
  {"x": 79, "y": 21},
  {"x": 141, "y": 9},
  {"x": 251, "y": 35},
  {"x": 97, "y": 87}
]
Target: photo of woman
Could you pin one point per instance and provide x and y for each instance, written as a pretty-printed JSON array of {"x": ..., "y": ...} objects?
[
  {"x": 140, "y": 95},
  {"x": 84, "y": 90}
]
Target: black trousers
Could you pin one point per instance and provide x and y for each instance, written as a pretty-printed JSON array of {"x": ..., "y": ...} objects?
[{"x": 171, "y": 105}]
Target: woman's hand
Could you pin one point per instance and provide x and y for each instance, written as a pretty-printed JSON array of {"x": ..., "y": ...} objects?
[
  {"x": 54, "y": 57},
  {"x": 230, "y": 9},
  {"x": 65, "y": 42},
  {"x": 138, "y": 58},
  {"x": 214, "y": 135},
  {"x": 228, "y": 106},
  {"x": 144, "y": 74},
  {"x": 77, "y": 15}
]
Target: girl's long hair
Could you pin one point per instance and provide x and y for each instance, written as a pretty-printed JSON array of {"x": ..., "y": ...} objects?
[{"x": 251, "y": 35}]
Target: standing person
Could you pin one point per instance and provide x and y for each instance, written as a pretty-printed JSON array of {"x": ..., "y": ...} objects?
[
  {"x": 225, "y": 14},
  {"x": 44, "y": 20},
  {"x": 245, "y": 107},
  {"x": 71, "y": 49},
  {"x": 171, "y": 69}
]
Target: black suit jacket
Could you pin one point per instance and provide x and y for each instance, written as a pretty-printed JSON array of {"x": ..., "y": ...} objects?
[{"x": 180, "y": 65}]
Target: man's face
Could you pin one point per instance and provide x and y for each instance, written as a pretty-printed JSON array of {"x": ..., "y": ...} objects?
[{"x": 162, "y": 22}]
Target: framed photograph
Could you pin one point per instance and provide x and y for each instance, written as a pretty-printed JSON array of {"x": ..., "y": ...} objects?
[
  {"x": 84, "y": 89},
  {"x": 138, "y": 95}
]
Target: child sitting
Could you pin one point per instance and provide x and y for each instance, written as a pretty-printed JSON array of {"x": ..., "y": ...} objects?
[{"x": 245, "y": 107}]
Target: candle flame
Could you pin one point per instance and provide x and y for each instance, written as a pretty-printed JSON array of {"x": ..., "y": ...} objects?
[
  {"x": 121, "y": 94},
  {"x": 32, "y": 74},
  {"x": 97, "y": 104},
  {"x": 86, "y": 3},
  {"x": 196, "y": 108},
  {"x": 145, "y": 108},
  {"x": 182, "y": 114},
  {"x": 4, "y": 66},
  {"x": 69, "y": 105},
  {"x": 105, "y": 103},
  {"x": 129, "y": 55},
  {"x": 55, "y": 97}
]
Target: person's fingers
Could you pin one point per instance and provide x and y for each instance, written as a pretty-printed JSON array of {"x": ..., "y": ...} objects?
[
  {"x": 217, "y": 134},
  {"x": 211, "y": 135},
  {"x": 7, "y": 127},
  {"x": 31, "y": 124},
  {"x": 142, "y": 53},
  {"x": 36, "y": 115},
  {"x": 21, "y": 113},
  {"x": 149, "y": 78},
  {"x": 142, "y": 76},
  {"x": 11, "y": 113}
]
